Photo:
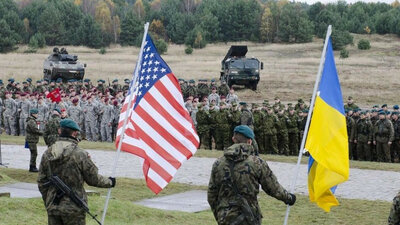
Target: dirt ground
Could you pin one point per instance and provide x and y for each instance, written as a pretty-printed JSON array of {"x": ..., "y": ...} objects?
[{"x": 370, "y": 76}]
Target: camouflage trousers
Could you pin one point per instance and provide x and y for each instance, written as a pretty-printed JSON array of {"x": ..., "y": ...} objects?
[
  {"x": 91, "y": 130},
  {"x": 67, "y": 220},
  {"x": 383, "y": 151},
  {"x": 222, "y": 137},
  {"x": 293, "y": 144},
  {"x": 33, "y": 149},
  {"x": 259, "y": 138},
  {"x": 204, "y": 136},
  {"x": 271, "y": 144},
  {"x": 283, "y": 141},
  {"x": 394, "y": 216},
  {"x": 106, "y": 131},
  {"x": 364, "y": 151},
  {"x": 352, "y": 151},
  {"x": 10, "y": 125},
  {"x": 22, "y": 126},
  {"x": 395, "y": 151}
]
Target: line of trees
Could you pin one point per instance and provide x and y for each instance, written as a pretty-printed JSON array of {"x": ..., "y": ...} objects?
[{"x": 98, "y": 23}]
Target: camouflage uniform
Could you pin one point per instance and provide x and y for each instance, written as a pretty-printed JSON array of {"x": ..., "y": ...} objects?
[
  {"x": 282, "y": 134},
  {"x": 249, "y": 172},
  {"x": 222, "y": 129},
  {"x": 23, "y": 108},
  {"x": 74, "y": 167},
  {"x": 32, "y": 138},
  {"x": 42, "y": 115},
  {"x": 384, "y": 134},
  {"x": 270, "y": 144},
  {"x": 223, "y": 89},
  {"x": 203, "y": 127},
  {"x": 394, "y": 216},
  {"x": 214, "y": 97},
  {"x": 1, "y": 115},
  {"x": 50, "y": 133},
  {"x": 351, "y": 130},
  {"x": 395, "y": 148},
  {"x": 75, "y": 113},
  {"x": 293, "y": 132},
  {"x": 213, "y": 126},
  {"x": 258, "y": 117},
  {"x": 203, "y": 89},
  {"x": 246, "y": 118},
  {"x": 234, "y": 120},
  {"x": 91, "y": 114},
  {"x": 9, "y": 115},
  {"x": 106, "y": 121},
  {"x": 363, "y": 136}
]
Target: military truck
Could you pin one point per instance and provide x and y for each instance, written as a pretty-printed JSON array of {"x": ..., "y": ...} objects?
[
  {"x": 237, "y": 69},
  {"x": 62, "y": 65}
]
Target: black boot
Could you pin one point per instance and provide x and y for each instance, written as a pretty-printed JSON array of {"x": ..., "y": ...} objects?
[{"x": 33, "y": 169}]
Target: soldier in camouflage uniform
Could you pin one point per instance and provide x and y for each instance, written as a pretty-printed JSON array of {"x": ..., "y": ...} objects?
[
  {"x": 293, "y": 132},
  {"x": 246, "y": 117},
  {"x": 52, "y": 127},
  {"x": 106, "y": 121},
  {"x": 395, "y": 147},
  {"x": 232, "y": 97},
  {"x": 383, "y": 137},
  {"x": 270, "y": 144},
  {"x": 234, "y": 119},
  {"x": 75, "y": 112},
  {"x": 282, "y": 133},
  {"x": 116, "y": 112},
  {"x": 258, "y": 117},
  {"x": 222, "y": 128},
  {"x": 363, "y": 137},
  {"x": 350, "y": 104},
  {"x": 394, "y": 216},
  {"x": 9, "y": 115},
  {"x": 91, "y": 113},
  {"x": 32, "y": 138},
  {"x": 23, "y": 109},
  {"x": 351, "y": 130},
  {"x": 43, "y": 113},
  {"x": 203, "y": 89},
  {"x": 74, "y": 167},
  {"x": 235, "y": 180},
  {"x": 203, "y": 126},
  {"x": 214, "y": 96},
  {"x": 223, "y": 89}
]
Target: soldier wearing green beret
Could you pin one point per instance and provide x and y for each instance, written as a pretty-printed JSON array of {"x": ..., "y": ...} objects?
[
  {"x": 363, "y": 137},
  {"x": 282, "y": 133},
  {"x": 234, "y": 119},
  {"x": 222, "y": 127},
  {"x": 351, "y": 131},
  {"x": 383, "y": 137},
  {"x": 75, "y": 168},
  {"x": 203, "y": 126},
  {"x": 232, "y": 193},
  {"x": 32, "y": 138}
]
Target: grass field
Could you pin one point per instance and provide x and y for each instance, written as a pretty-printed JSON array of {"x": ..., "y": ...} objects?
[
  {"x": 122, "y": 210},
  {"x": 19, "y": 140},
  {"x": 290, "y": 69}
]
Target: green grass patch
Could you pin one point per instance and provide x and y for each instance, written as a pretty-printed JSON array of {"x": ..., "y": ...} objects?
[
  {"x": 19, "y": 140},
  {"x": 123, "y": 211}
]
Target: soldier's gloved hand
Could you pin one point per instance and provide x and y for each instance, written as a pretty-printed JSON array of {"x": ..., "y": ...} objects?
[
  {"x": 113, "y": 181},
  {"x": 291, "y": 200}
]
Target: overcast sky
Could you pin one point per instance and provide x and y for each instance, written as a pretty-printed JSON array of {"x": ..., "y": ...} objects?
[{"x": 348, "y": 1}]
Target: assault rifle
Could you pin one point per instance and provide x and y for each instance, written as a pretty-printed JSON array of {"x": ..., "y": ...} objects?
[{"x": 63, "y": 189}]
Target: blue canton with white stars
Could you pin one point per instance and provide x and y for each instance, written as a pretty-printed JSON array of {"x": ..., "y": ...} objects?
[{"x": 152, "y": 69}]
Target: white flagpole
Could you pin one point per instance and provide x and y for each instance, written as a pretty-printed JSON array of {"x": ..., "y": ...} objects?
[
  {"x": 303, "y": 141},
  {"x": 131, "y": 89}
]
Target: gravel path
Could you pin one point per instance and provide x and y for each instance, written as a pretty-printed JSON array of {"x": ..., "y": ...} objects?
[{"x": 362, "y": 184}]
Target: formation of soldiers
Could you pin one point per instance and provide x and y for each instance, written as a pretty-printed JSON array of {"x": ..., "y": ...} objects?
[
  {"x": 374, "y": 135},
  {"x": 95, "y": 109}
]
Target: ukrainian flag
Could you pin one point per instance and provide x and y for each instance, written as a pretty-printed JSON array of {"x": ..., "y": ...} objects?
[{"x": 327, "y": 140}]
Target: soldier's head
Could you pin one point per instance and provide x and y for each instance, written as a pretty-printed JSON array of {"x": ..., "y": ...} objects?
[
  {"x": 23, "y": 96},
  {"x": 291, "y": 111},
  {"x": 192, "y": 82},
  {"x": 388, "y": 116},
  {"x": 350, "y": 100},
  {"x": 212, "y": 81},
  {"x": 277, "y": 99},
  {"x": 281, "y": 112},
  {"x": 34, "y": 112},
  {"x": 214, "y": 90},
  {"x": 69, "y": 128},
  {"x": 205, "y": 99},
  {"x": 25, "y": 84},
  {"x": 363, "y": 115},
  {"x": 106, "y": 101},
  {"x": 305, "y": 112},
  {"x": 395, "y": 115},
  {"x": 64, "y": 113},
  {"x": 243, "y": 134},
  {"x": 57, "y": 111},
  {"x": 75, "y": 101},
  {"x": 350, "y": 112},
  {"x": 231, "y": 90},
  {"x": 115, "y": 102},
  {"x": 382, "y": 114},
  {"x": 384, "y": 107},
  {"x": 115, "y": 82},
  {"x": 223, "y": 98}
]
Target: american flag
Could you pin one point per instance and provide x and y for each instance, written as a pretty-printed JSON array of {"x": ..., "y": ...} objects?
[{"x": 159, "y": 128}]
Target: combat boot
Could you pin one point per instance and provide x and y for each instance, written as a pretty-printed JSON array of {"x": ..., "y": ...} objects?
[{"x": 33, "y": 169}]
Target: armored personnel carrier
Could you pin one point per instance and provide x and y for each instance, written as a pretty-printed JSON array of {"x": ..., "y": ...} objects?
[
  {"x": 237, "y": 69},
  {"x": 62, "y": 65}
]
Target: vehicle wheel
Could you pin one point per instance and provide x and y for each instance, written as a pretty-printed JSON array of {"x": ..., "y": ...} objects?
[{"x": 253, "y": 86}]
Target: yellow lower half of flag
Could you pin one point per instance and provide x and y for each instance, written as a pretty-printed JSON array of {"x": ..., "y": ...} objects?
[{"x": 327, "y": 143}]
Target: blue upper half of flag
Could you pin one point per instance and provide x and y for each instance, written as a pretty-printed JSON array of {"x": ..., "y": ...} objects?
[
  {"x": 329, "y": 86},
  {"x": 151, "y": 69}
]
